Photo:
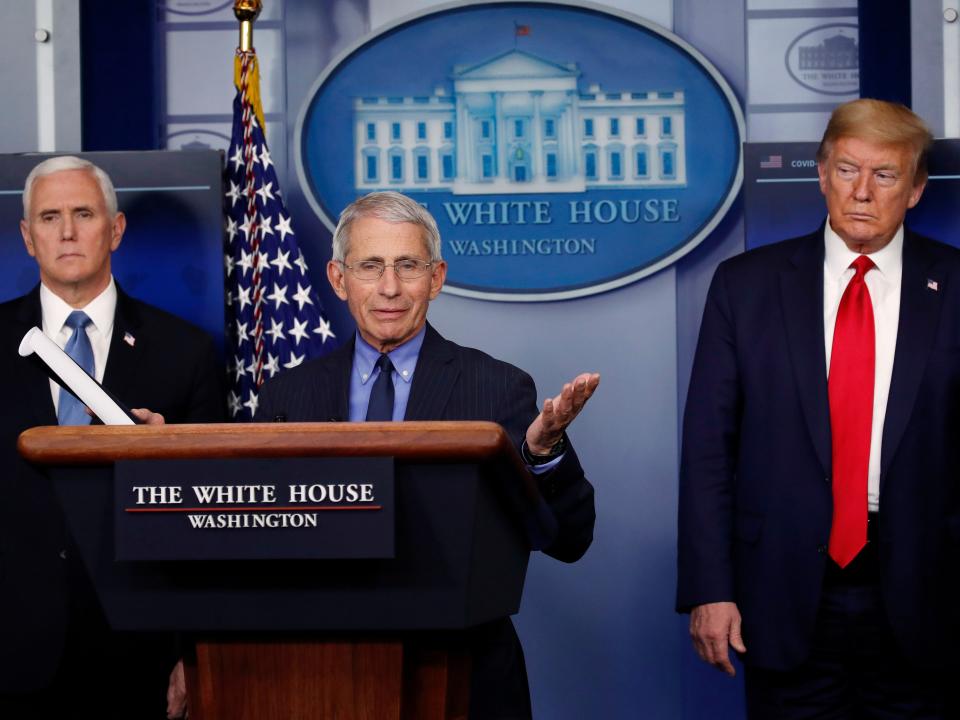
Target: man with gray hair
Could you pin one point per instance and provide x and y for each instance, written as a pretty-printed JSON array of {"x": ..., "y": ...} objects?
[
  {"x": 387, "y": 267},
  {"x": 55, "y": 646}
]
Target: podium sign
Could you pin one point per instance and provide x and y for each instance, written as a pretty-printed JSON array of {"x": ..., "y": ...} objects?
[
  {"x": 329, "y": 635},
  {"x": 254, "y": 509},
  {"x": 458, "y": 506}
]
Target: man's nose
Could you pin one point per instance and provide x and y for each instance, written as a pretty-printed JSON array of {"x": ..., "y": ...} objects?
[
  {"x": 67, "y": 228},
  {"x": 389, "y": 283},
  {"x": 862, "y": 190}
]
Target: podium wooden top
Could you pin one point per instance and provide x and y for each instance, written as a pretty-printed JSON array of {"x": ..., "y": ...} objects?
[{"x": 100, "y": 445}]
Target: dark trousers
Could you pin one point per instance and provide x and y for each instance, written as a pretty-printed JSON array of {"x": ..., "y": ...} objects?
[
  {"x": 109, "y": 677},
  {"x": 498, "y": 688},
  {"x": 102, "y": 674},
  {"x": 855, "y": 670}
]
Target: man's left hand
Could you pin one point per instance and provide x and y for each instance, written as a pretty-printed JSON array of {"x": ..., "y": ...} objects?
[
  {"x": 558, "y": 412},
  {"x": 147, "y": 417},
  {"x": 177, "y": 693}
]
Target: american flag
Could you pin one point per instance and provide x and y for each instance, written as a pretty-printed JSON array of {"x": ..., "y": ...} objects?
[
  {"x": 274, "y": 317},
  {"x": 771, "y": 162}
]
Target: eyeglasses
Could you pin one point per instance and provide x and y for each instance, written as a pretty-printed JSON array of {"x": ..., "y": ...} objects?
[{"x": 373, "y": 269}]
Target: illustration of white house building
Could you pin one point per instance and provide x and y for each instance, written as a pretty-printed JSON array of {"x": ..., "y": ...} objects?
[{"x": 518, "y": 124}]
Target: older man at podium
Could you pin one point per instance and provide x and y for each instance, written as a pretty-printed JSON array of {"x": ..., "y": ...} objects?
[{"x": 387, "y": 267}]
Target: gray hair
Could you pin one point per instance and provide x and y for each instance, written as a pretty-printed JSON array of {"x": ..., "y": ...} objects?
[
  {"x": 391, "y": 207},
  {"x": 70, "y": 162}
]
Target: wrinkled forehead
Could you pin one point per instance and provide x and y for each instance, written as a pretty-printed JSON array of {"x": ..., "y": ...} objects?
[
  {"x": 374, "y": 238},
  {"x": 857, "y": 149},
  {"x": 73, "y": 187}
]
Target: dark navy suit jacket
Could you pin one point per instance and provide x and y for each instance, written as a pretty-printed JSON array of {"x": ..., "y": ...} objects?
[
  {"x": 171, "y": 368},
  {"x": 755, "y": 493},
  {"x": 452, "y": 382}
]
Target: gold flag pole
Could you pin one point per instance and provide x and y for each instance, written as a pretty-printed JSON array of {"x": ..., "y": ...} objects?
[
  {"x": 246, "y": 74},
  {"x": 246, "y": 11}
]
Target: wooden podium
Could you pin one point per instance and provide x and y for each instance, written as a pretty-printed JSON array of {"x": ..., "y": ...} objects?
[{"x": 378, "y": 638}]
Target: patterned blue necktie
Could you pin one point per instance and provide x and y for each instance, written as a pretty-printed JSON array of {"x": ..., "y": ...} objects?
[
  {"x": 71, "y": 411},
  {"x": 381, "y": 395}
]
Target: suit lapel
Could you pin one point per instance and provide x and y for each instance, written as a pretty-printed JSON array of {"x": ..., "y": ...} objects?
[
  {"x": 127, "y": 347},
  {"x": 919, "y": 318},
  {"x": 433, "y": 379},
  {"x": 799, "y": 282},
  {"x": 336, "y": 385},
  {"x": 29, "y": 315}
]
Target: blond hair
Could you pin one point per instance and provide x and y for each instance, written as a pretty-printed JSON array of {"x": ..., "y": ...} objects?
[{"x": 881, "y": 122}]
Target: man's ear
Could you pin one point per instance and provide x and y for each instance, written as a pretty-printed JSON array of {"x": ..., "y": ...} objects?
[
  {"x": 27, "y": 239},
  {"x": 117, "y": 228},
  {"x": 822, "y": 175},
  {"x": 336, "y": 277},
  {"x": 438, "y": 278},
  {"x": 916, "y": 192}
]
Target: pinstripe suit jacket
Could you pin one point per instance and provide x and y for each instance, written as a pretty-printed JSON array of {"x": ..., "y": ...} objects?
[{"x": 452, "y": 382}]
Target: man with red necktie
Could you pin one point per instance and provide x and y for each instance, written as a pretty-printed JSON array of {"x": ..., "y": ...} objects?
[{"x": 819, "y": 499}]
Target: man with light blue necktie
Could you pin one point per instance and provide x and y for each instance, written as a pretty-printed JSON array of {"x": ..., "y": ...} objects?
[{"x": 55, "y": 647}]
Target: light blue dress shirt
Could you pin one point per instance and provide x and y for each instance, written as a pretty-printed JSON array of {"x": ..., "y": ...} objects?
[{"x": 404, "y": 359}]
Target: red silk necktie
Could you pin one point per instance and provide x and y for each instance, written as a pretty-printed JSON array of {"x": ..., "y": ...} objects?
[{"x": 850, "y": 387}]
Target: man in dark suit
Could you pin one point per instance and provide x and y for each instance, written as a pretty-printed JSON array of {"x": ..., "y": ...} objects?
[
  {"x": 56, "y": 653},
  {"x": 386, "y": 265},
  {"x": 819, "y": 516}
]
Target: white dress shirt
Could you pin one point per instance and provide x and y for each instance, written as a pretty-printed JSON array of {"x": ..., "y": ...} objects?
[
  {"x": 100, "y": 310},
  {"x": 883, "y": 282}
]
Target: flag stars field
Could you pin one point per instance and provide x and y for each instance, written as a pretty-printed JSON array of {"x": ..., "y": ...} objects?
[
  {"x": 301, "y": 263},
  {"x": 267, "y": 331},
  {"x": 276, "y": 330},
  {"x": 283, "y": 263},
  {"x": 283, "y": 227},
  {"x": 251, "y": 403},
  {"x": 299, "y": 331},
  {"x": 302, "y": 296},
  {"x": 272, "y": 365},
  {"x": 278, "y": 296},
  {"x": 323, "y": 329}
]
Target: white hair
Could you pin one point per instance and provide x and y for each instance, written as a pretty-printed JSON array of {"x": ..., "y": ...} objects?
[
  {"x": 391, "y": 207},
  {"x": 69, "y": 162}
]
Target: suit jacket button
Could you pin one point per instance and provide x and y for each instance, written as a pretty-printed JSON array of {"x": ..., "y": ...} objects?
[
  {"x": 63, "y": 554},
  {"x": 826, "y": 479},
  {"x": 821, "y": 549}
]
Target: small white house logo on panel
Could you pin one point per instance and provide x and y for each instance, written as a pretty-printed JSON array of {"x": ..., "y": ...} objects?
[{"x": 826, "y": 59}]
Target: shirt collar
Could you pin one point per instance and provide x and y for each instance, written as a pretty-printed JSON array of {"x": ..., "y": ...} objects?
[
  {"x": 404, "y": 357},
  {"x": 838, "y": 257},
  {"x": 100, "y": 310}
]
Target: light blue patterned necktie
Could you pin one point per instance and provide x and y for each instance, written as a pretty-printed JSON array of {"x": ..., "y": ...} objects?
[{"x": 71, "y": 411}]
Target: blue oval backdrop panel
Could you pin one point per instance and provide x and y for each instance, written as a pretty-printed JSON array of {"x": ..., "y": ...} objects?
[{"x": 563, "y": 150}]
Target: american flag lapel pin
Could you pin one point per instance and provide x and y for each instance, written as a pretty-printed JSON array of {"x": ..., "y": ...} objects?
[
  {"x": 131, "y": 340},
  {"x": 933, "y": 285}
]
